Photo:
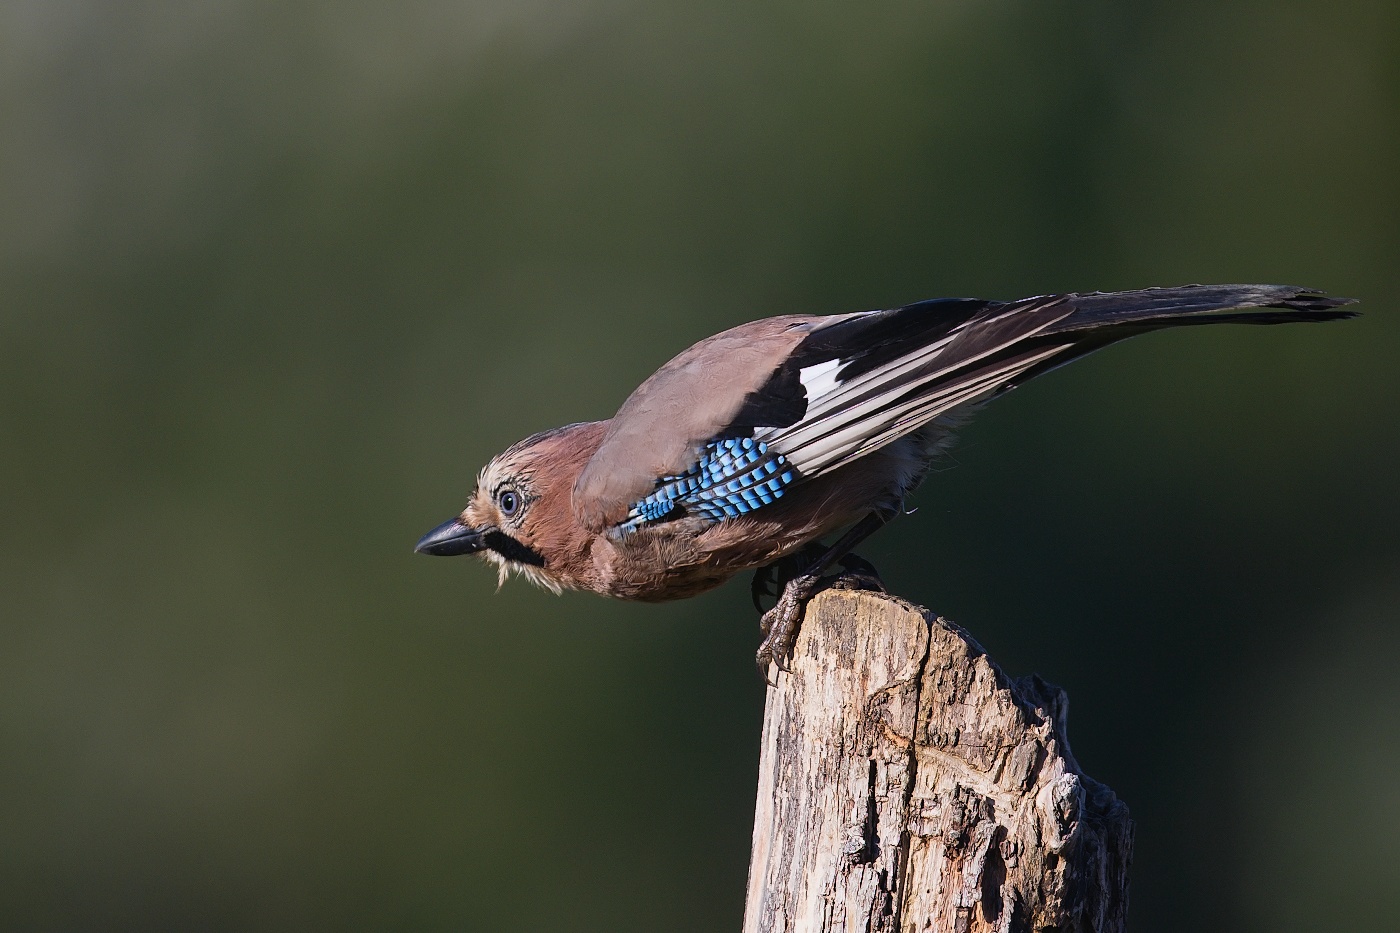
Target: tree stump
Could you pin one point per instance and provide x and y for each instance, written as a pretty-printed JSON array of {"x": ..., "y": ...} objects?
[{"x": 907, "y": 784}]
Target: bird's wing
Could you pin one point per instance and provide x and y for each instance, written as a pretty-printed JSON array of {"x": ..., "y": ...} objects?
[
  {"x": 728, "y": 424},
  {"x": 884, "y": 375},
  {"x": 726, "y": 385}
]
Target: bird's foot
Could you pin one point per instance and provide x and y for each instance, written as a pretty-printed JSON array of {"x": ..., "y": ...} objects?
[
  {"x": 781, "y": 624},
  {"x": 768, "y": 582},
  {"x": 857, "y": 573}
]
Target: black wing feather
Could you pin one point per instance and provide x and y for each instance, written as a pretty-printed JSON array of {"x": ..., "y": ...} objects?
[{"x": 900, "y": 369}]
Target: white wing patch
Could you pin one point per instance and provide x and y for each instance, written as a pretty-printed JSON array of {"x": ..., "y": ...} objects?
[
  {"x": 847, "y": 419},
  {"x": 819, "y": 380}
]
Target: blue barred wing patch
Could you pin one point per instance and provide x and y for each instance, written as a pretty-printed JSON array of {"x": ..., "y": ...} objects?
[{"x": 734, "y": 476}]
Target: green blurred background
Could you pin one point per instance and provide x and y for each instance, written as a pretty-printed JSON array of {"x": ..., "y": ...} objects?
[{"x": 279, "y": 278}]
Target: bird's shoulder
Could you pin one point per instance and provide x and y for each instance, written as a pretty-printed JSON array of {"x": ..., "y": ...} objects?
[{"x": 704, "y": 391}]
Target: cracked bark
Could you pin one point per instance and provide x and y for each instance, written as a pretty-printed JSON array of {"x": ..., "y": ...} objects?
[{"x": 908, "y": 784}]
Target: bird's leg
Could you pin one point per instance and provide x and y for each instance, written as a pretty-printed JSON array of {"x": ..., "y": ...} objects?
[
  {"x": 768, "y": 582},
  {"x": 761, "y": 586},
  {"x": 857, "y": 573},
  {"x": 780, "y": 624}
]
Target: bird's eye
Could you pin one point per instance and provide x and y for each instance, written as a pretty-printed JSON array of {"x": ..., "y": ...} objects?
[{"x": 509, "y": 502}]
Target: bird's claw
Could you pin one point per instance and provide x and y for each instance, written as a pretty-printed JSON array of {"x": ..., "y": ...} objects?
[{"x": 781, "y": 624}]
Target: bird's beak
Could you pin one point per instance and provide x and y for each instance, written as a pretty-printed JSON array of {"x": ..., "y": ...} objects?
[{"x": 450, "y": 539}]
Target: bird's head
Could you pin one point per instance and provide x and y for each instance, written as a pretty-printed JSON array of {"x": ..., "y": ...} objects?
[{"x": 520, "y": 516}]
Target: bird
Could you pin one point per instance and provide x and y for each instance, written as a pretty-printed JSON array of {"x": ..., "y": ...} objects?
[{"x": 748, "y": 448}]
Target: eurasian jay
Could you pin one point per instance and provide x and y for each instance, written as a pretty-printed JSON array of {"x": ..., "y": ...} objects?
[{"x": 753, "y": 444}]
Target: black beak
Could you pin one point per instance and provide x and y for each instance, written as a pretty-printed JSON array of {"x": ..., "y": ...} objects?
[{"x": 450, "y": 539}]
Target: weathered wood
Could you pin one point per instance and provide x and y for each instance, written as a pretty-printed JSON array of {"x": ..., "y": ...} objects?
[{"x": 907, "y": 784}]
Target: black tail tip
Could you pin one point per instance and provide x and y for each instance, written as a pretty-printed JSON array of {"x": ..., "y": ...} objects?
[{"x": 1324, "y": 306}]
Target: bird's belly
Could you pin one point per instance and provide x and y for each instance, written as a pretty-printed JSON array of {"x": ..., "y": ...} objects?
[
  {"x": 679, "y": 559},
  {"x": 657, "y": 568}
]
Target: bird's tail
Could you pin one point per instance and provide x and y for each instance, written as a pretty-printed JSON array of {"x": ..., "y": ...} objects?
[
  {"x": 1103, "y": 318},
  {"x": 892, "y": 372},
  {"x": 1201, "y": 304}
]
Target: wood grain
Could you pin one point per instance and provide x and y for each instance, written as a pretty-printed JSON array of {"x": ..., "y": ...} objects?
[{"x": 908, "y": 784}]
